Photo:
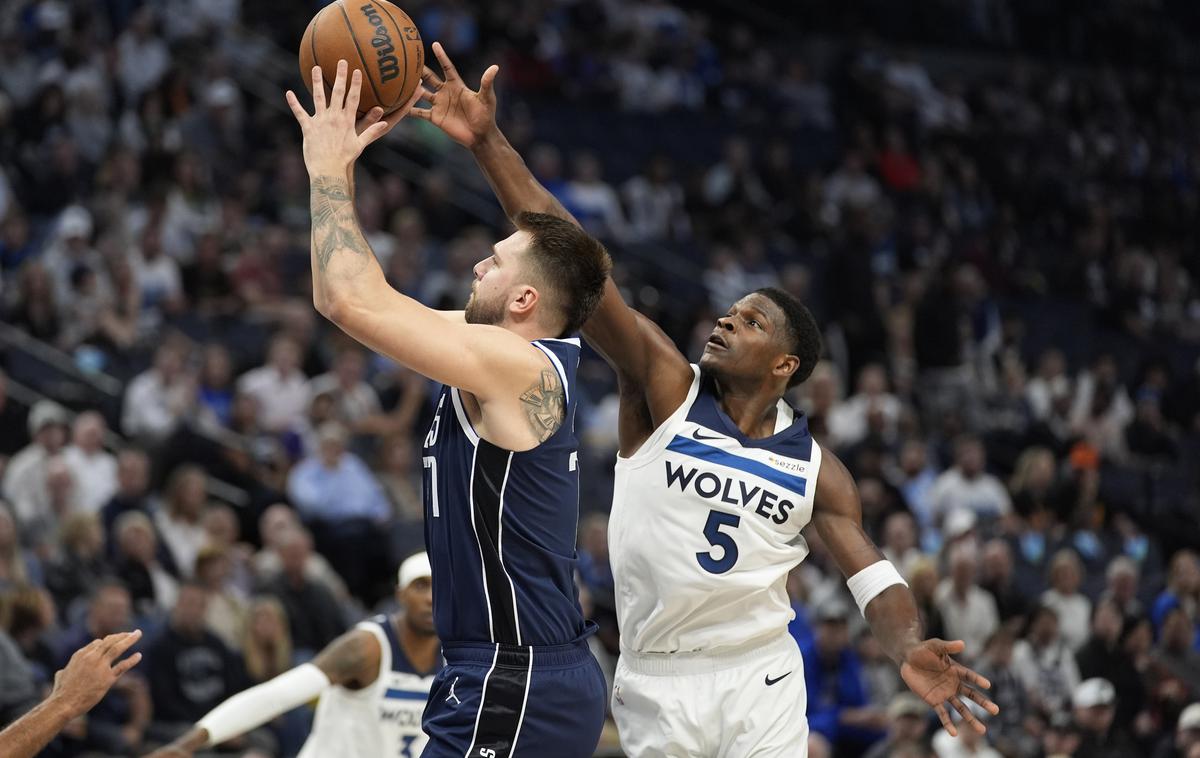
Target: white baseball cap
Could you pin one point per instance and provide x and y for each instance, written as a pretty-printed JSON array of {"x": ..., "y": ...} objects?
[
  {"x": 413, "y": 568},
  {"x": 1093, "y": 692},
  {"x": 1189, "y": 718}
]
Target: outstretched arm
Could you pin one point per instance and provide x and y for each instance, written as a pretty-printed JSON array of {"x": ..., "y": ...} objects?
[
  {"x": 654, "y": 375},
  {"x": 351, "y": 661},
  {"x": 86, "y": 678},
  {"x": 349, "y": 288},
  {"x": 925, "y": 664}
]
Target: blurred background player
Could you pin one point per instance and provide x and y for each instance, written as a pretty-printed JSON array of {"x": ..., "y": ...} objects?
[
  {"x": 714, "y": 482},
  {"x": 502, "y": 497},
  {"x": 373, "y": 683}
]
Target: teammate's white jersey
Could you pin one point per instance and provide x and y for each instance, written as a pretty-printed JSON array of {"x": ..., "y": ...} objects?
[
  {"x": 382, "y": 719},
  {"x": 705, "y": 527}
]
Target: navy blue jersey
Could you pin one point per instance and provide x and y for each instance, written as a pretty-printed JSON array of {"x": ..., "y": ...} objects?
[{"x": 500, "y": 526}]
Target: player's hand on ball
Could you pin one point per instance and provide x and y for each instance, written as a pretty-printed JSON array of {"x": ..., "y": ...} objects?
[
  {"x": 332, "y": 139},
  {"x": 466, "y": 115},
  {"x": 936, "y": 678}
]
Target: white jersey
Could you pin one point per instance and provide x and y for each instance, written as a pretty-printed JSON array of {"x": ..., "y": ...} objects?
[
  {"x": 705, "y": 527},
  {"x": 382, "y": 719}
]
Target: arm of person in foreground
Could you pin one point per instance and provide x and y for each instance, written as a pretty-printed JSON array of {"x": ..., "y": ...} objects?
[
  {"x": 494, "y": 364},
  {"x": 351, "y": 661},
  {"x": 647, "y": 362},
  {"x": 81, "y": 684},
  {"x": 925, "y": 665}
]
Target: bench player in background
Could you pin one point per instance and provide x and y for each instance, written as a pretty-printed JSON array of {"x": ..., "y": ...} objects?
[
  {"x": 715, "y": 479},
  {"x": 502, "y": 485},
  {"x": 373, "y": 683}
]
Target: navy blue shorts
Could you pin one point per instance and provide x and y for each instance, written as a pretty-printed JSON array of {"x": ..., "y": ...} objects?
[{"x": 501, "y": 701}]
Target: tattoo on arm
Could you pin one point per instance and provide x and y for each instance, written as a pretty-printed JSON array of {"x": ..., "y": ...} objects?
[
  {"x": 334, "y": 225},
  {"x": 545, "y": 405},
  {"x": 345, "y": 660}
]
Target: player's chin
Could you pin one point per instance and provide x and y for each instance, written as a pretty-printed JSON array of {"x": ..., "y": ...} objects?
[{"x": 713, "y": 359}]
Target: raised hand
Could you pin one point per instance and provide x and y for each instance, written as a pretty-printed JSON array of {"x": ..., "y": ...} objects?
[
  {"x": 464, "y": 114},
  {"x": 936, "y": 678},
  {"x": 91, "y": 672},
  {"x": 332, "y": 140}
]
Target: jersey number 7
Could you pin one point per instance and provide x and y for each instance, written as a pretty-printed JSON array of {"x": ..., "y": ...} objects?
[{"x": 719, "y": 539}]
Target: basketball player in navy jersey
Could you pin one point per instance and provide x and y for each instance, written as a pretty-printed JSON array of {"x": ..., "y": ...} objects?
[
  {"x": 373, "y": 683},
  {"x": 716, "y": 477},
  {"x": 501, "y": 489}
]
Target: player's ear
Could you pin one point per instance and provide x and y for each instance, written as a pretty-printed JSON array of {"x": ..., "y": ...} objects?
[
  {"x": 786, "y": 366},
  {"x": 525, "y": 301}
]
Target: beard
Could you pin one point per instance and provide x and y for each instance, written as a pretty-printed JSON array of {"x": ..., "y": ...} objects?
[{"x": 478, "y": 311}]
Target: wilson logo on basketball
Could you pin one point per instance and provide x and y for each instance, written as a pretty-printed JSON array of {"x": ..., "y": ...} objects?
[{"x": 389, "y": 65}]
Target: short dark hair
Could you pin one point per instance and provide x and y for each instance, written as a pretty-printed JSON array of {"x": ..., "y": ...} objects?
[
  {"x": 572, "y": 263},
  {"x": 804, "y": 338}
]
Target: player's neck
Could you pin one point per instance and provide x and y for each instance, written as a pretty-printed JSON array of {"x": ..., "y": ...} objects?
[
  {"x": 752, "y": 409},
  {"x": 531, "y": 329}
]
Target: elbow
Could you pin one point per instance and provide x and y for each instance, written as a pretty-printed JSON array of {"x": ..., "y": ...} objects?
[{"x": 334, "y": 308}]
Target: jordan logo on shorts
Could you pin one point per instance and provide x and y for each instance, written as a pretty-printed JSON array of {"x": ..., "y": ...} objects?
[{"x": 452, "y": 695}]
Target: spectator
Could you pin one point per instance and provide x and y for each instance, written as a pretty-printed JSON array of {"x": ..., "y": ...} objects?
[
  {"x": 25, "y": 476},
  {"x": 848, "y": 421},
  {"x": 1008, "y": 729},
  {"x": 14, "y": 420},
  {"x": 655, "y": 202},
  {"x": 908, "y": 721},
  {"x": 1174, "y": 656},
  {"x": 968, "y": 611},
  {"x": 18, "y": 681},
  {"x": 279, "y": 387},
  {"x": 16, "y": 566},
  {"x": 1121, "y": 586},
  {"x": 151, "y": 587},
  {"x": 1102, "y": 408},
  {"x": 215, "y": 391},
  {"x": 1073, "y": 609},
  {"x": 917, "y": 477},
  {"x": 313, "y": 614},
  {"x": 226, "y": 614},
  {"x": 338, "y": 495},
  {"x": 997, "y": 578},
  {"x": 180, "y": 521},
  {"x": 354, "y": 399},
  {"x": 968, "y": 744},
  {"x": 81, "y": 565},
  {"x": 1094, "y": 705},
  {"x": 275, "y": 526},
  {"x": 189, "y": 669},
  {"x": 159, "y": 399},
  {"x": 133, "y": 484},
  {"x": 266, "y": 644},
  {"x": 838, "y": 706},
  {"x": 93, "y": 467},
  {"x": 900, "y": 541},
  {"x": 158, "y": 281},
  {"x": 1050, "y": 382},
  {"x": 1182, "y": 590},
  {"x": 1114, "y": 652},
  {"x": 968, "y": 485},
  {"x": 922, "y": 579},
  {"x": 594, "y": 201},
  {"x": 1186, "y": 739},
  {"x": 142, "y": 55},
  {"x": 31, "y": 619},
  {"x": 1044, "y": 663}
]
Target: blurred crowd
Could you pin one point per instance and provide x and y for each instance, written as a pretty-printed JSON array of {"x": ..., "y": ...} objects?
[{"x": 1001, "y": 249}]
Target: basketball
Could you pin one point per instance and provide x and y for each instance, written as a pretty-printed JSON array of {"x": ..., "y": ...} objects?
[{"x": 372, "y": 35}]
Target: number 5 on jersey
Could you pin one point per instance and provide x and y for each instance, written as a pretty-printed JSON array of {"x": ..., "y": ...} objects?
[{"x": 719, "y": 539}]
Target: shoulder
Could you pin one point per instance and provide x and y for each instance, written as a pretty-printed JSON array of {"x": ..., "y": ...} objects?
[{"x": 836, "y": 492}]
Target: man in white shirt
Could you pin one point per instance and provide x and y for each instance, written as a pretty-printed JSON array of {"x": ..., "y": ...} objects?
[
  {"x": 280, "y": 387},
  {"x": 158, "y": 399},
  {"x": 848, "y": 421},
  {"x": 25, "y": 477},
  {"x": 354, "y": 399},
  {"x": 968, "y": 611},
  {"x": 968, "y": 485},
  {"x": 95, "y": 468},
  {"x": 180, "y": 520}
]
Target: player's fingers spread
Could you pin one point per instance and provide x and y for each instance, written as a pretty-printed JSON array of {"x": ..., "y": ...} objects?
[
  {"x": 944, "y": 717},
  {"x": 318, "y": 89},
  {"x": 967, "y": 716},
  {"x": 127, "y": 664},
  {"x": 980, "y": 699},
  {"x": 488, "y": 80},
  {"x": 418, "y": 112},
  {"x": 431, "y": 79},
  {"x": 297, "y": 109},
  {"x": 448, "y": 69},
  {"x": 354, "y": 92},
  {"x": 123, "y": 643},
  {"x": 973, "y": 677},
  {"x": 337, "y": 98}
]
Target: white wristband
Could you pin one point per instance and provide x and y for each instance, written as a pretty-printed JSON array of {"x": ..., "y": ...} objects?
[
  {"x": 872, "y": 580},
  {"x": 258, "y": 705}
]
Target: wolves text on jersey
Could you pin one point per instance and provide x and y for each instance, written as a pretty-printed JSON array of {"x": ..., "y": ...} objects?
[{"x": 731, "y": 491}]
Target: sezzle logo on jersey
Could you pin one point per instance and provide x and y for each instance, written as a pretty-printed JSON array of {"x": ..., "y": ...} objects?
[{"x": 709, "y": 485}]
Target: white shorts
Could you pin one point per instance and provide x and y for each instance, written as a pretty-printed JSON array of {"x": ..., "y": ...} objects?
[{"x": 748, "y": 703}]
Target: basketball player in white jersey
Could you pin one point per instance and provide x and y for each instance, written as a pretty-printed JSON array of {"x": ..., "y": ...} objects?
[
  {"x": 716, "y": 477},
  {"x": 372, "y": 681}
]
